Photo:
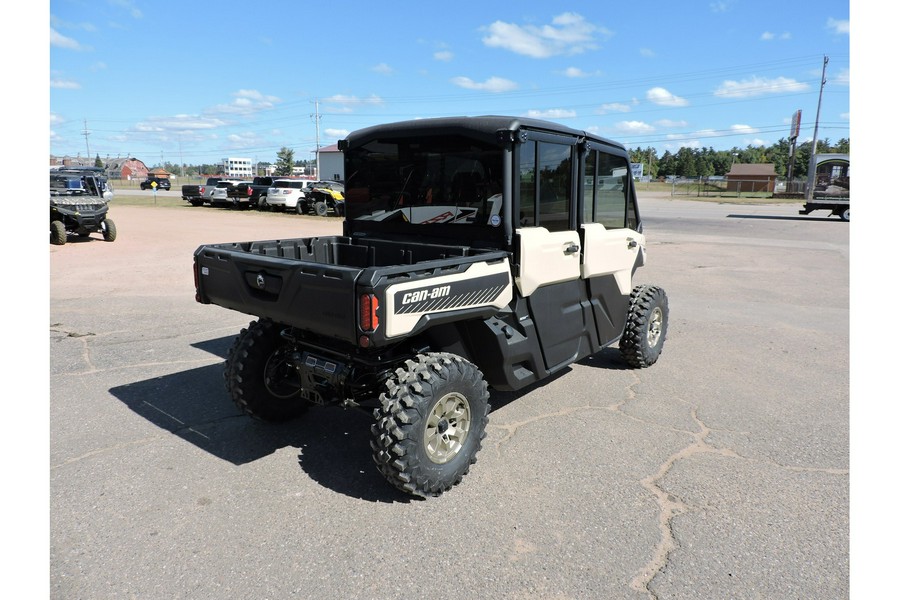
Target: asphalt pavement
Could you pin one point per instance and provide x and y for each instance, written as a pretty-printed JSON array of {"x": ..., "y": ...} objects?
[{"x": 722, "y": 471}]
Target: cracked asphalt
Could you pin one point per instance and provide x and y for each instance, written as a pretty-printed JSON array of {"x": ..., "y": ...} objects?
[{"x": 720, "y": 472}]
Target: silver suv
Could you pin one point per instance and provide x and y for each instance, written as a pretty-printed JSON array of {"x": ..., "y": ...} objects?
[{"x": 288, "y": 195}]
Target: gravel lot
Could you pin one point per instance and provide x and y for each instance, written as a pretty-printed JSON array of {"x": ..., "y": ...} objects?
[{"x": 720, "y": 472}]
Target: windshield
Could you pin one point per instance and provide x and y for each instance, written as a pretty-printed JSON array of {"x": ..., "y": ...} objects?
[{"x": 424, "y": 181}]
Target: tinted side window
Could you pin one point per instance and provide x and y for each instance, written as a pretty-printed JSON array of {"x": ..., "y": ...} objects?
[
  {"x": 527, "y": 181},
  {"x": 554, "y": 185},
  {"x": 545, "y": 185},
  {"x": 606, "y": 195}
]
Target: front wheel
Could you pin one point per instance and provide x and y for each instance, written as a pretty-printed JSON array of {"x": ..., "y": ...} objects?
[
  {"x": 645, "y": 328},
  {"x": 57, "y": 233},
  {"x": 258, "y": 376},
  {"x": 108, "y": 228},
  {"x": 432, "y": 419},
  {"x": 321, "y": 209}
]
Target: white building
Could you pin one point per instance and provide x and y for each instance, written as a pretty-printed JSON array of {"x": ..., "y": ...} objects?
[
  {"x": 331, "y": 161},
  {"x": 241, "y": 168}
]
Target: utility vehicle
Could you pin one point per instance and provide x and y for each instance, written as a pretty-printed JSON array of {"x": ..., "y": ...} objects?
[
  {"x": 78, "y": 205},
  {"x": 477, "y": 253}
]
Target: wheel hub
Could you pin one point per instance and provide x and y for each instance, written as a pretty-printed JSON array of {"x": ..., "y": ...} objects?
[
  {"x": 654, "y": 328},
  {"x": 447, "y": 428}
]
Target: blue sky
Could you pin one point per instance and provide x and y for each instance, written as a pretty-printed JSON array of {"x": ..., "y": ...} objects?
[{"x": 196, "y": 82}]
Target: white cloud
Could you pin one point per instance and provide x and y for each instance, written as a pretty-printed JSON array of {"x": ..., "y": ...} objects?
[
  {"x": 353, "y": 100},
  {"x": 383, "y": 68},
  {"x": 768, "y": 36},
  {"x": 568, "y": 33},
  {"x": 64, "y": 84},
  {"x": 743, "y": 129},
  {"x": 574, "y": 72},
  {"x": 721, "y": 5},
  {"x": 664, "y": 97},
  {"x": 634, "y": 127},
  {"x": 178, "y": 123},
  {"x": 492, "y": 84},
  {"x": 578, "y": 73},
  {"x": 760, "y": 86},
  {"x": 238, "y": 141},
  {"x": 336, "y": 133},
  {"x": 670, "y": 124},
  {"x": 842, "y": 77},
  {"x": 60, "y": 41},
  {"x": 246, "y": 102},
  {"x": 443, "y": 55},
  {"x": 618, "y": 107},
  {"x": 129, "y": 6},
  {"x": 553, "y": 113},
  {"x": 840, "y": 26},
  {"x": 647, "y": 53}
]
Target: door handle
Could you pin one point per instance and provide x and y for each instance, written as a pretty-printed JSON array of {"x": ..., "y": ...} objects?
[{"x": 571, "y": 249}]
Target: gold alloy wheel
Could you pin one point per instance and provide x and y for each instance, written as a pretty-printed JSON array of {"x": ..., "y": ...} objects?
[
  {"x": 447, "y": 428},
  {"x": 654, "y": 328}
]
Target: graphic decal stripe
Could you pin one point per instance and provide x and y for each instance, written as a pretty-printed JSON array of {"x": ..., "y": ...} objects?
[{"x": 459, "y": 294}]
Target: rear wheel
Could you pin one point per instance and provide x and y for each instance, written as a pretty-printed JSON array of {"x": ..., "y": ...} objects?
[
  {"x": 645, "y": 328},
  {"x": 845, "y": 214},
  {"x": 258, "y": 376},
  {"x": 57, "y": 233},
  {"x": 432, "y": 419},
  {"x": 302, "y": 207}
]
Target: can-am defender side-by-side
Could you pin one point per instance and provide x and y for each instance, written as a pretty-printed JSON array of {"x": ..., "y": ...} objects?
[{"x": 477, "y": 253}]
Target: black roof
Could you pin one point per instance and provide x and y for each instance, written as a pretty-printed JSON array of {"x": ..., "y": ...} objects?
[{"x": 485, "y": 127}]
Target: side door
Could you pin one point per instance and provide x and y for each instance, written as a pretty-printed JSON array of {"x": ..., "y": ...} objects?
[
  {"x": 549, "y": 246},
  {"x": 613, "y": 246}
]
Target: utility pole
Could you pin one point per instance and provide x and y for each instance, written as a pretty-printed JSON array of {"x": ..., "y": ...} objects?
[
  {"x": 317, "y": 117},
  {"x": 811, "y": 171},
  {"x": 86, "y": 133}
]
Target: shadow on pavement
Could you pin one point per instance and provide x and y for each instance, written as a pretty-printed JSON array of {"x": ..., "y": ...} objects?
[{"x": 332, "y": 443}]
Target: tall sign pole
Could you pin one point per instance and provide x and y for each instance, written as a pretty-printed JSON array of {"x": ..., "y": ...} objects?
[
  {"x": 795, "y": 133},
  {"x": 811, "y": 173}
]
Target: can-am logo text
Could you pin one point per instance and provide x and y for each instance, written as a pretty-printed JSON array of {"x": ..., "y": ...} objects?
[{"x": 432, "y": 294}]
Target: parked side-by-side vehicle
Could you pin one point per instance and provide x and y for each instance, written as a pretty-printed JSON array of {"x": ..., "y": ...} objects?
[{"x": 477, "y": 253}]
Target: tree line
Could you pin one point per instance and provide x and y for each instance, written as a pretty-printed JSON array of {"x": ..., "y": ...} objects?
[{"x": 703, "y": 162}]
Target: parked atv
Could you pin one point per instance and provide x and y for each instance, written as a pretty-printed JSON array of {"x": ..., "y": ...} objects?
[{"x": 78, "y": 206}]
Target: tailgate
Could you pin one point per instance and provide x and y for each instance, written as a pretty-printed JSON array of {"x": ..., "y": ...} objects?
[{"x": 260, "y": 280}]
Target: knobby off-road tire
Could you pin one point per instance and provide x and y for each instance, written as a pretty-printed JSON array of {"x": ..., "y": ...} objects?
[
  {"x": 321, "y": 209},
  {"x": 432, "y": 419},
  {"x": 255, "y": 373},
  {"x": 108, "y": 229},
  {"x": 645, "y": 328},
  {"x": 57, "y": 233}
]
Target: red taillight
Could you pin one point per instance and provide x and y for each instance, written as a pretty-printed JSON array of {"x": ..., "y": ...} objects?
[
  {"x": 202, "y": 189},
  {"x": 368, "y": 312}
]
